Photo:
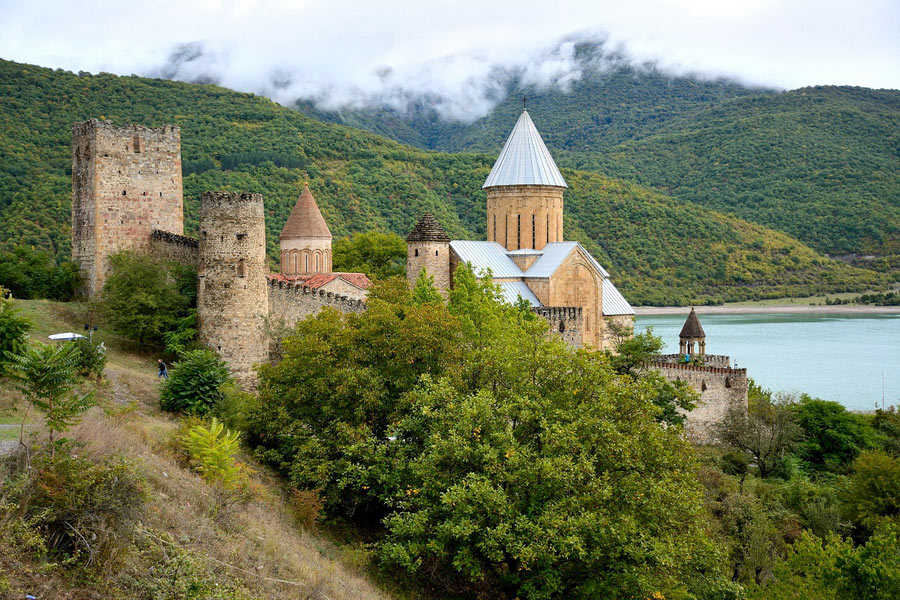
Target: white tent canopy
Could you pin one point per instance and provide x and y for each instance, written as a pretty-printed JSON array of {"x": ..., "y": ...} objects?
[{"x": 65, "y": 336}]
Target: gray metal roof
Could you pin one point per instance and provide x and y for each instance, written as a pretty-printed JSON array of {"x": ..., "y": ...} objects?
[
  {"x": 614, "y": 303},
  {"x": 511, "y": 291},
  {"x": 484, "y": 256},
  {"x": 553, "y": 255},
  {"x": 525, "y": 159}
]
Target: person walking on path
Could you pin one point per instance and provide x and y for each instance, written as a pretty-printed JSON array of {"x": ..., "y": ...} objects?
[{"x": 162, "y": 373}]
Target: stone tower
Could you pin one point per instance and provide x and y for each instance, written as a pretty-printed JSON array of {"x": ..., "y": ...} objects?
[
  {"x": 524, "y": 192},
  {"x": 428, "y": 247},
  {"x": 305, "y": 239},
  {"x": 126, "y": 182},
  {"x": 232, "y": 292},
  {"x": 692, "y": 339}
]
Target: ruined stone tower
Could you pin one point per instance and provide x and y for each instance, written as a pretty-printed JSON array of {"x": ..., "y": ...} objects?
[
  {"x": 428, "y": 247},
  {"x": 232, "y": 294},
  {"x": 524, "y": 192},
  {"x": 305, "y": 239},
  {"x": 126, "y": 182}
]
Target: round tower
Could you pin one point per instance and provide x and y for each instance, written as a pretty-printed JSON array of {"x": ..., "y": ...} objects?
[
  {"x": 428, "y": 247},
  {"x": 232, "y": 293},
  {"x": 524, "y": 192},
  {"x": 305, "y": 239},
  {"x": 692, "y": 339}
]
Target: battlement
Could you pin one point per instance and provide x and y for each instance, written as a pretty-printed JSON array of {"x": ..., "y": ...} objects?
[
  {"x": 700, "y": 368},
  {"x": 289, "y": 292},
  {"x": 171, "y": 246},
  {"x": 92, "y": 125},
  {"x": 564, "y": 321},
  {"x": 709, "y": 360},
  {"x": 229, "y": 200},
  {"x": 558, "y": 312},
  {"x": 175, "y": 239}
]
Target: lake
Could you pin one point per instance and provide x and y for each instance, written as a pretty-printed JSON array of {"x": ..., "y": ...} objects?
[{"x": 833, "y": 356}]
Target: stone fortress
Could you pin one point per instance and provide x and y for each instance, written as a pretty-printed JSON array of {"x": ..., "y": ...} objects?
[{"x": 127, "y": 195}]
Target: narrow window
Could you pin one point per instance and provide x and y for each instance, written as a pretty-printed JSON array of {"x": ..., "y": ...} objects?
[
  {"x": 548, "y": 228},
  {"x": 435, "y": 252},
  {"x": 137, "y": 145},
  {"x": 518, "y": 231},
  {"x": 533, "y": 244},
  {"x": 241, "y": 268},
  {"x": 123, "y": 192},
  {"x": 506, "y": 229},
  {"x": 417, "y": 252},
  {"x": 495, "y": 228},
  {"x": 306, "y": 267},
  {"x": 317, "y": 263},
  {"x": 562, "y": 326}
]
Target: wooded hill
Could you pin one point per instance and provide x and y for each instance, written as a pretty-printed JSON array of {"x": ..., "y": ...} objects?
[
  {"x": 659, "y": 249},
  {"x": 820, "y": 164}
]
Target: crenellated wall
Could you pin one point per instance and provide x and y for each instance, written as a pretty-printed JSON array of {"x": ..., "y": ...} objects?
[
  {"x": 294, "y": 302},
  {"x": 709, "y": 360},
  {"x": 565, "y": 321},
  {"x": 720, "y": 389},
  {"x": 171, "y": 246}
]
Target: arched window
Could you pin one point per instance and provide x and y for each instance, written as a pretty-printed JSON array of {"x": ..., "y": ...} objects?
[
  {"x": 306, "y": 262},
  {"x": 416, "y": 252},
  {"x": 317, "y": 262},
  {"x": 562, "y": 326}
]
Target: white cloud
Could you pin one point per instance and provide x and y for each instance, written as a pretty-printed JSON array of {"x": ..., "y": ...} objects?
[{"x": 352, "y": 52}]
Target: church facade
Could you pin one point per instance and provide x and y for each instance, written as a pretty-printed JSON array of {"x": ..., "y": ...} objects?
[{"x": 525, "y": 252}]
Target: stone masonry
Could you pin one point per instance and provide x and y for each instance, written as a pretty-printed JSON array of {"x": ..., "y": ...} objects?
[{"x": 126, "y": 182}]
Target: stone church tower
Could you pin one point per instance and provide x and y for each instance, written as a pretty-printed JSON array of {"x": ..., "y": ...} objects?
[
  {"x": 126, "y": 183},
  {"x": 232, "y": 291},
  {"x": 305, "y": 239},
  {"x": 524, "y": 192}
]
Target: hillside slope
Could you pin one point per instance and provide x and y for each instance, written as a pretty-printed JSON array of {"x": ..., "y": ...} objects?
[{"x": 660, "y": 249}]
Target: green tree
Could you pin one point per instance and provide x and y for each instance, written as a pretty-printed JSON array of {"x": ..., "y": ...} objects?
[
  {"x": 14, "y": 329},
  {"x": 378, "y": 255},
  {"x": 47, "y": 376},
  {"x": 872, "y": 492},
  {"x": 212, "y": 449},
  {"x": 91, "y": 357},
  {"x": 195, "y": 384},
  {"x": 424, "y": 291},
  {"x": 143, "y": 297},
  {"x": 833, "y": 436}
]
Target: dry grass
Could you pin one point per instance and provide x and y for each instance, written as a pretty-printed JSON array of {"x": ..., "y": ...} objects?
[{"x": 258, "y": 549}]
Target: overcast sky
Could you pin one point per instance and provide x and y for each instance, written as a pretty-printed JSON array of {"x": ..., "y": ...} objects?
[{"x": 352, "y": 52}]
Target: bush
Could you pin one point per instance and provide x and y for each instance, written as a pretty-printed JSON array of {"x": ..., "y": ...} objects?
[
  {"x": 195, "y": 383},
  {"x": 13, "y": 330},
  {"x": 833, "y": 436},
  {"x": 91, "y": 359},
  {"x": 82, "y": 510}
]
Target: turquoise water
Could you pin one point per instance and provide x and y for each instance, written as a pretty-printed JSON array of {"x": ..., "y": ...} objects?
[{"x": 832, "y": 356}]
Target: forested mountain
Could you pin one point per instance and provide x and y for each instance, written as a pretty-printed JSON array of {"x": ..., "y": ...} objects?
[
  {"x": 821, "y": 164},
  {"x": 658, "y": 248}
]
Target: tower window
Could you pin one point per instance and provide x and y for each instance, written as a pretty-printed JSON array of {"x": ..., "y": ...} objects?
[
  {"x": 137, "y": 144},
  {"x": 123, "y": 192},
  {"x": 416, "y": 252},
  {"x": 533, "y": 244},
  {"x": 495, "y": 228},
  {"x": 548, "y": 228},
  {"x": 435, "y": 252},
  {"x": 518, "y": 231},
  {"x": 241, "y": 268}
]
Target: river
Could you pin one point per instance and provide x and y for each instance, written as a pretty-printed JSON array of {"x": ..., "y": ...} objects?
[{"x": 833, "y": 356}]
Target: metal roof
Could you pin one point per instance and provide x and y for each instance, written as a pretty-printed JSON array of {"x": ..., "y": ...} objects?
[
  {"x": 553, "y": 255},
  {"x": 525, "y": 159},
  {"x": 614, "y": 303},
  {"x": 511, "y": 291},
  {"x": 484, "y": 256}
]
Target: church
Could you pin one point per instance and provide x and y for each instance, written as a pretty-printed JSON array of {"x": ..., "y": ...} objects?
[{"x": 525, "y": 252}]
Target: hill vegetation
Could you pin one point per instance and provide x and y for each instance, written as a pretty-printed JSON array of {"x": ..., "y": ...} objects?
[
  {"x": 819, "y": 164},
  {"x": 661, "y": 250}
]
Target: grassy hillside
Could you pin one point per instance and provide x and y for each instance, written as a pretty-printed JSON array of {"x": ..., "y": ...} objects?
[
  {"x": 820, "y": 164},
  {"x": 182, "y": 545},
  {"x": 660, "y": 249}
]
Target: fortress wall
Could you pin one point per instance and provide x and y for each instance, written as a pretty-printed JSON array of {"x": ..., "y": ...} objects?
[
  {"x": 720, "y": 390},
  {"x": 710, "y": 360},
  {"x": 294, "y": 302},
  {"x": 565, "y": 321},
  {"x": 171, "y": 246}
]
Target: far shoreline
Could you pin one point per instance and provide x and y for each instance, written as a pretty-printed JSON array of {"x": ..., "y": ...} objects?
[{"x": 767, "y": 309}]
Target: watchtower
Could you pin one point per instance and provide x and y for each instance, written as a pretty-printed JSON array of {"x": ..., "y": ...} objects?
[
  {"x": 232, "y": 293},
  {"x": 126, "y": 182},
  {"x": 524, "y": 192},
  {"x": 428, "y": 247},
  {"x": 692, "y": 339}
]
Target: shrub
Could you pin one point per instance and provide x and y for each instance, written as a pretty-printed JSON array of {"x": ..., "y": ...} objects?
[
  {"x": 82, "y": 510},
  {"x": 91, "y": 358},
  {"x": 13, "y": 330},
  {"x": 212, "y": 452},
  {"x": 195, "y": 383}
]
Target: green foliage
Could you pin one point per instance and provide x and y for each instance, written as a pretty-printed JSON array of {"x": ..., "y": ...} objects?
[
  {"x": 378, "y": 255},
  {"x": 13, "y": 330},
  {"x": 47, "y": 376},
  {"x": 634, "y": 354},
  {"x": 82, "y": 510},
  {"x": 424, "y": 291},
  {"x": 143, "y": 297},
  {"x": 212, "y": 451},
  {"x": 91, "y": 357},
  {"x": 184, "y": 336},
  {"x": 833, "y": 436},
  {"x": 364, "y": 183},
  {"x": 31, "y": 273},
  {"x": 886, "y": 424},
  {"x": 195, "y": 384},
  {"x": 872, "y": 494}
]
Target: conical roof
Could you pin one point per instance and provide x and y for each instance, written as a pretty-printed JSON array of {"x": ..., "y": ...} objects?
[
  {"x": 305, "y": 221},
  {"x": 692, "y": 327},
  {"x": 525, "y": 159},
  {"x": 428, "y": 230}
]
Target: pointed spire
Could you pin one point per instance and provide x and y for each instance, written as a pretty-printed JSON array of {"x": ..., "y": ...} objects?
[
  {"x": 306, "y": 221},
  {"x": 692, "y": 328},
  {"x": 428, "y": 230},
  {"x": 525, "y": 159}
]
